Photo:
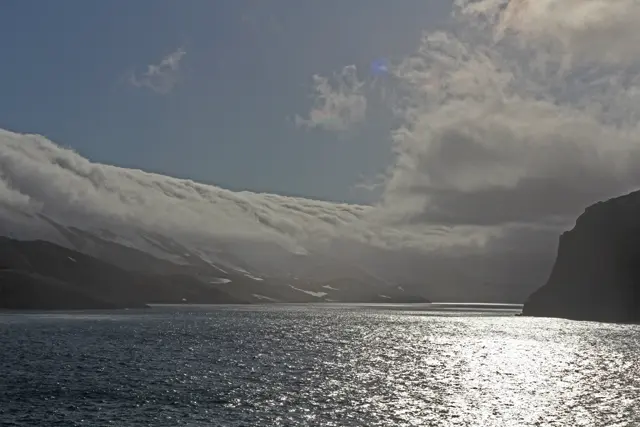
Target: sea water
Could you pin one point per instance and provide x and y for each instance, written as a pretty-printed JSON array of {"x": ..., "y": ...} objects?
[{"x": 336, "y": 365}]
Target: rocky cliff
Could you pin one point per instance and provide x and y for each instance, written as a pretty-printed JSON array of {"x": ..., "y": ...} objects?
[{"x": 596, "y": 275}]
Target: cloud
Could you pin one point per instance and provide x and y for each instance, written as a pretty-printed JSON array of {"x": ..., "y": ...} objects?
[
  {"x": 503, "y": 130},
  {"x": 40, "y": 177},
  {"x": 594, "y": 30},
  {"x": 523, "y": 112},
  {"x": 162, "y": 77},
  {"x": 339, "y": 103}
]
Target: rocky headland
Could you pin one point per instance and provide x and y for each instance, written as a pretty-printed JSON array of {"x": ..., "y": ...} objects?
[{"x": 596, "y": 275}]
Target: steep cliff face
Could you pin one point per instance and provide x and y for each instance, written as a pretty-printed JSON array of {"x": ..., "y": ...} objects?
[{"x": 596, "y": 275}]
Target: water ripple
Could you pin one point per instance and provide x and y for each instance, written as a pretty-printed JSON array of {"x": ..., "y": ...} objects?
[{"x": 315, "y": 367}]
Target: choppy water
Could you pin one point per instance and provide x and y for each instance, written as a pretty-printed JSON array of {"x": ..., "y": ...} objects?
[{"x": 315, "y": 366}]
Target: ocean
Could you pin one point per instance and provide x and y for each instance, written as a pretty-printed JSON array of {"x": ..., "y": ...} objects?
[{"x": 338, "y": 365}]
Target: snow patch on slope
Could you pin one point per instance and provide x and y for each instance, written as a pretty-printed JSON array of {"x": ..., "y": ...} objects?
[
  {"x": 313, "y": 294},
  {"x": 264, "y": 298}
]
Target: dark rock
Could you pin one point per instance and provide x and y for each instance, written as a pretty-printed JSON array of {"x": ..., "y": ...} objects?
[
  {"x": 31, "y": 272},
  {"x": 20, "y": 290},
  {"x": 96, "y": 264},
  {"x": 596, "y": 275}
]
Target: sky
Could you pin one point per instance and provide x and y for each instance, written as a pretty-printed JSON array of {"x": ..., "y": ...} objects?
[
  {"x": 495, "y": 125},
  {"x": 226, "y": 115}
]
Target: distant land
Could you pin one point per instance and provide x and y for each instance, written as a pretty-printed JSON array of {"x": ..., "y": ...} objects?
[
  {"x": 99, "y": 273},
  {"x": 596, "y": 275}
]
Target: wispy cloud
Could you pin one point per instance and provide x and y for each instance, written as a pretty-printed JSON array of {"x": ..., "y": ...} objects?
[
  {"x": 339, "y": 103},
  {"x": 162, "y": 77}
]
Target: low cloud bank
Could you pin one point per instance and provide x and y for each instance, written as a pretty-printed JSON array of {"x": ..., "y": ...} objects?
[{"x": 38, "y": 176}]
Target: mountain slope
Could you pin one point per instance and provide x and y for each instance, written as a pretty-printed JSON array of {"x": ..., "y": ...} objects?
[
  {"x": 170, "y": 272},
  {"x": 44, "y": 267},
  {"x": 22, "y": 290}
]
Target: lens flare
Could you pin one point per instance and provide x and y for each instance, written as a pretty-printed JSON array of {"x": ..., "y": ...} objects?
[{"x": 379, "y": 67}]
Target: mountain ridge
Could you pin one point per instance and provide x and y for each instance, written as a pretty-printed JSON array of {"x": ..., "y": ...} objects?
[{"x": 82, "y": 261}]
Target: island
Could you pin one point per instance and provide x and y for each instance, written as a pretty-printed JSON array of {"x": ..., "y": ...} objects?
[{"x": 596, "y": 275}]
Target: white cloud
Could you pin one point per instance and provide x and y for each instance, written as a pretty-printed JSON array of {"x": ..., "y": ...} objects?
[
  {"x": 161, "y": 77},
  {"x": 339, "y": 103},
  {"x": 593, "y": 30},
  {"x": 510, "y": 131},
  {"x": 524, "y": 112}
]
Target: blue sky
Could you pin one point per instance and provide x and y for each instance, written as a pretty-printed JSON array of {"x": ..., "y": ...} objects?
[{"x": 246, "y": 72}]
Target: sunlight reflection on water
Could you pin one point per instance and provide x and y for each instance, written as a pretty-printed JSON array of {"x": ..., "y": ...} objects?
[{"x": 277, "y": 366}]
